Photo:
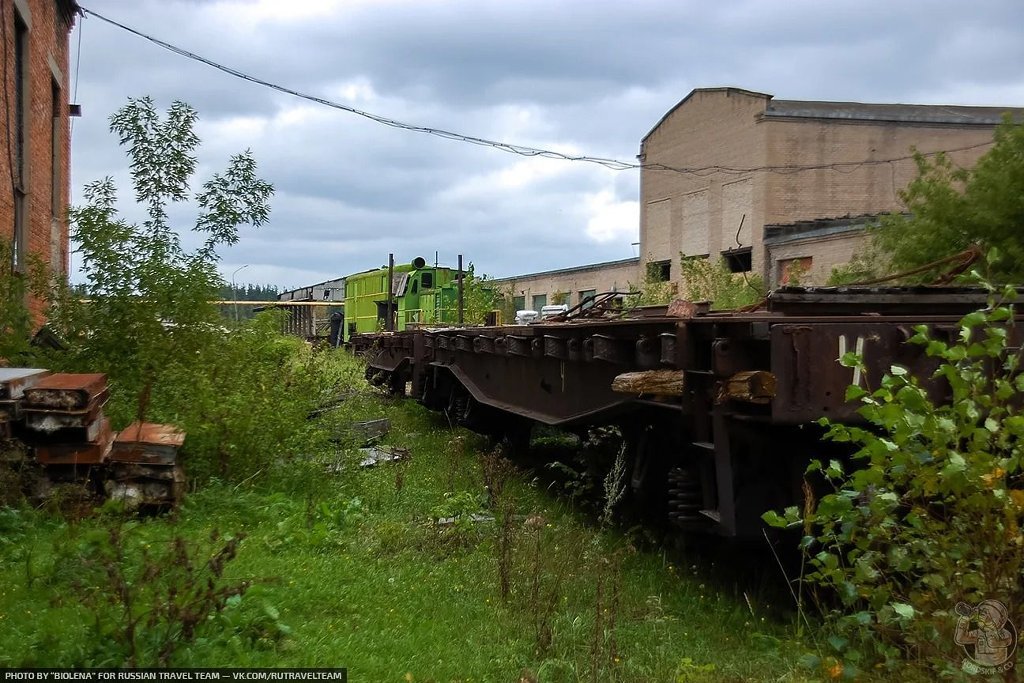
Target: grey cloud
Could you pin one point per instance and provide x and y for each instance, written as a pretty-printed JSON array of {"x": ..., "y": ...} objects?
[{"x": 593, "y": 76}]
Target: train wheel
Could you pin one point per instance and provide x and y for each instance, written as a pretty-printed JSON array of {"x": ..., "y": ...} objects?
[{"x": 648, "y": 447}]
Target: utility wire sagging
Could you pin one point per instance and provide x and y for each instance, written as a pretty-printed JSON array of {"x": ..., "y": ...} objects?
[{"x": 512, "y": 148}]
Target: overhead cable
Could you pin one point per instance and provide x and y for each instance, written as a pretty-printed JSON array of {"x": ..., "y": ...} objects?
[{"x": 521, "y": 150}]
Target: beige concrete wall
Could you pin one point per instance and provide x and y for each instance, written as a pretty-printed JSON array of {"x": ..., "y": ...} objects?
[
  {"x": 701, "y": 213},
  {"x": 709, "y": 211},
  {"x": 614, "y": 276},
  {"x": 853, "y": 190},
  {"x": 826, "y": 253}
]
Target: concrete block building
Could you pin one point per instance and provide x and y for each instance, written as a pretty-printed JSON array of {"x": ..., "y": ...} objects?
[
  {"x": 569, "y": 285},
  {"x": 35, "y": 162},
  {"x": 724, "y": 163}
]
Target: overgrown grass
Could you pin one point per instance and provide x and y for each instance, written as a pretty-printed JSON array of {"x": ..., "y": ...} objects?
[{"x": 349, "y": 567}]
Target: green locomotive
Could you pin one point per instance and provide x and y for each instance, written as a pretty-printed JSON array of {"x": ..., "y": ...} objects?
[{"x": 421, "y": 295}]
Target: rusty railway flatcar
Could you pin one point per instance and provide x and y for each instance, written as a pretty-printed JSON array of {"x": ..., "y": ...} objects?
[{"x": 718, "y": 410}]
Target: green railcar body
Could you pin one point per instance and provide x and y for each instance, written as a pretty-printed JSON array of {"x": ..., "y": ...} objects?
[{"x": 421, "y": 295}]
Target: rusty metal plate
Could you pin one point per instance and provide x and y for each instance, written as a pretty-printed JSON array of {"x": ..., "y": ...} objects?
[
  {"x": 82, "y": 453},
  {"x": 148, "y": 442},
  {"x": 14, "y": 381},
  {"x": 136, "y": 485},
  {"x": 810, "y": 382},
  {"x": 49, "y": 420},
  {"x": 9, "y": 410},
  {"x": 66, "y": 391}
]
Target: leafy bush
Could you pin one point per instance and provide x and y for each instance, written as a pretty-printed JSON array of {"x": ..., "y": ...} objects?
[
  {"x": 148, "y": 602},
  {"x": 653, "y": 291},
  {"x": 948, "y": 210},
  {"x": 145, "y": 314},
  {"x": 931, "y": 516},
  {"x": 707, "y": 280}
]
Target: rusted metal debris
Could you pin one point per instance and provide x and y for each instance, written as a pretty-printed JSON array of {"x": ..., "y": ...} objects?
[
  {"x": 144, "y": 469},
  {"x": 370, "y": 431},
  {"x": 381, "y": 454},
  {"x": 93, "y": 451},
  {"x": 60, "y": 418},
  {"x": 67, "y": 391},
  {"x": 13, "y": 382},
  {"x": 148, "y": 442}
]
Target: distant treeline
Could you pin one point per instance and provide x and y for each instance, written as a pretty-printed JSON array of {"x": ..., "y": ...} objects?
[{"x": 249, "y": 292}]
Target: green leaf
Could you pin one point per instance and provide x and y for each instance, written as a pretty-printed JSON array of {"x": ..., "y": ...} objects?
[{"x": 903, "y": 609}]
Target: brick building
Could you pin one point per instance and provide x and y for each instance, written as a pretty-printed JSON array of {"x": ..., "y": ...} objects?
[
  {"x": 724, "y": 163},
  {"x": 35, "y": 161}
]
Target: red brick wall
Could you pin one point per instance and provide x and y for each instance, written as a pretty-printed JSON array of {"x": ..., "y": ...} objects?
[{"x": 46, "y": 62}]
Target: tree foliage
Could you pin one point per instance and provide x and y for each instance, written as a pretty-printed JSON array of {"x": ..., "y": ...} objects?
[
  {"x": 145, "y": 314},
  {"x": 707, "y": 280},
  {"x": 149, "y": 300},
  {"x": 952, "y": 208}
]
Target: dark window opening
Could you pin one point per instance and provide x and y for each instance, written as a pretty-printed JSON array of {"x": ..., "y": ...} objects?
[
  {"x": 659, "y": 271},
  {"x": 415, "y": 286},
  {"x": 519, "y": 302},
  {"x": 55, "y": 122},
  {"x": 427, "y": 280},
  {"x": 738, "y": 260},
  {"x": 20, "y": 121},
  {"x": 385, "y": 321}
]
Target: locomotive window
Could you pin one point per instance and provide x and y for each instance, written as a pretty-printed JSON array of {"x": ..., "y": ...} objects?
[
  {"x": 415, "y": 287},
  {"x": 427, "y": 279}
]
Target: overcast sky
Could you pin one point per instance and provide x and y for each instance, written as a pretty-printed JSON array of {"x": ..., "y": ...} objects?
[{"x": 583, "y": 77}]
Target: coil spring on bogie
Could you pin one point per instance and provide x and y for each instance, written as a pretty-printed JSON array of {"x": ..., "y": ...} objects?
[
  {"x": 458, "y": 408},
  {"x": 685, "y": 497}
]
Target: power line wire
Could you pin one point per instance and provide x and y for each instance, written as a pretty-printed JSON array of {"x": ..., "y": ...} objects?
[{"x": 521, "y": 150}]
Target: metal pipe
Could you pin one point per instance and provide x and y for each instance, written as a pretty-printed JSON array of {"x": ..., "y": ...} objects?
[
  {"x": 388, "y": 322},
  {"x": 460, "y": 291}
]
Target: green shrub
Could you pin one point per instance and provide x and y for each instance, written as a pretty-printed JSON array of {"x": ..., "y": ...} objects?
[
  {"x": 931, "y": 515},
  {"x": 707, "y": 280}
]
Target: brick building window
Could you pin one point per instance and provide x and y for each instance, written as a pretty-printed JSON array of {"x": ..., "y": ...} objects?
[
  {"x": 659, "y": 271},
  {"x": 55, "y": 122},
  {"x": 19, "y": 167},
  {"x": 793, "y": 271},
  {"x": 738, "y": 260},
  {"x": 519, "y": 302},
  {"x": 584, "y": 293},
  {"x": 539, "y": 301},
  {"x": 57, "y": 216}
]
